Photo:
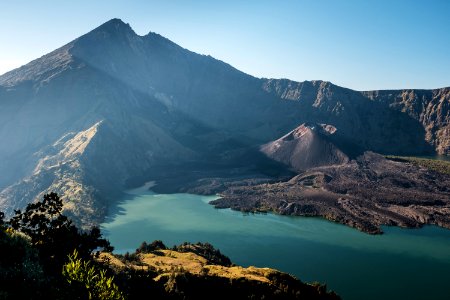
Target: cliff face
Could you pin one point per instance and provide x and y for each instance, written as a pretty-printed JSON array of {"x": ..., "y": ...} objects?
[
  {"x": 155, "y": 104},
  {"x": 364, "y": 124},
  {"x": 429, "y": 107}
]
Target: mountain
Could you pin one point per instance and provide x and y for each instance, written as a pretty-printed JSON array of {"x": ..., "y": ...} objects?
[
  {"x": 113, "y": 109},
  {"x": 306, "y": 147},
  {"x": 429, "y": 107}
]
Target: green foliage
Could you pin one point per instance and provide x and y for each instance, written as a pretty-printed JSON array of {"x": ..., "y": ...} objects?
[
  {"x": 138, "y": 282},
  {"x": 207, "y": 251},
  {"x": 2, "y": 221},
  {"x": 153, "y": 246},
  {"x": 432, "y": 164},
  {"x": 37, "y": 243},
  {"x": 53, "y": 234},
  {"x": 21, "y": 275},
  {"x": 185, "y": 285},
  {"x": 130, "y": 257},
  {"x": 97, "y": 284}
]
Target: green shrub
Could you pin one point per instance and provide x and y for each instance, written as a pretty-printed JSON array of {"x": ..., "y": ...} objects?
[
  {"x": 439, "y": 166},
  {"x": 150, "y": 248},
  {"x": 54, "y": 235},
  {"x": 97, "y": 284},
  {"x": 205, "y": 250},
  {"x": 21, "y": 275}
]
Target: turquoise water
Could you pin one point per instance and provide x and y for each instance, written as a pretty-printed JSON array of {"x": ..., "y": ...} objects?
[{"x": 401, "y": 264}]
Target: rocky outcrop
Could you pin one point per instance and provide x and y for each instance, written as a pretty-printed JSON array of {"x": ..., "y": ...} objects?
[
  {"x": 158, "y": 105},
  {"x": 363, "y": 124},
  {"x": 364, "y": 193},
  {"x": 429, "y": 107}
]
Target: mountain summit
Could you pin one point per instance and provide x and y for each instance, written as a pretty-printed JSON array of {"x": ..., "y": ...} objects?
[{"x": 112, "y": 109}]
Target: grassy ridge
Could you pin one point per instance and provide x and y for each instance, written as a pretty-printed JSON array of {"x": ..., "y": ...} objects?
[
  {"x": 45, "y": 256},
  {"x": 191, "y": 272},
  {"x": 440, "y": 166}
]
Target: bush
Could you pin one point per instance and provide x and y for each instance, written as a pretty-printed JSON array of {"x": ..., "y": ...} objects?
[
  {"x": 21, "y": 275},
  {"x": 95, "y": 281},
  {"x": 153, "y": 246},
  {"x": 207, "y": 251},
  {"x": 53, "y": 234}
]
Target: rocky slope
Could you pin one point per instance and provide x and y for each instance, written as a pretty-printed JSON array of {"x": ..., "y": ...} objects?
[
  {"x": 363, "y": 125},
  {"x": 429, "y": 107},
  {"x": 112, "y": 109},
  {"x": 364, "y": 193},
  {"x": 306, "y": 147}
]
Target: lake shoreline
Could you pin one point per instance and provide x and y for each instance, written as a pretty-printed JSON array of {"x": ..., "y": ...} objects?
[{"x": 311, "y": 249}]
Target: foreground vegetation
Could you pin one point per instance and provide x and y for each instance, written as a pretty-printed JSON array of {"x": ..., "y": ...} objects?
[
  {"x": 45, "y": 256},
  {"x": 35, "y": 246}
]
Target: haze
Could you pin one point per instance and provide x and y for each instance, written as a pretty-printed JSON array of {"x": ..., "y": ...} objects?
[{"x": 357, "y": 44}]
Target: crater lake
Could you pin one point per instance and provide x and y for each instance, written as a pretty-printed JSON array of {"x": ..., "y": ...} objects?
[{"x": 399, "y": 264}]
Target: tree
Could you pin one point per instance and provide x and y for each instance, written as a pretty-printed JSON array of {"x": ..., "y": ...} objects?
[
  {"x": 2, "y": 221},
  {"x": 54, "y": 235}
]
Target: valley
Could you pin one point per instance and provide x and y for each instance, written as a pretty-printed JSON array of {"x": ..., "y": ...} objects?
[
  {"x": 113, "y": 109},
  {"x": 225, "y": 150}
]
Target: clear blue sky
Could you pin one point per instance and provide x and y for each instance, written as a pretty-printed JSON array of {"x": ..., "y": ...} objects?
[{"x": 360, "y": 44}]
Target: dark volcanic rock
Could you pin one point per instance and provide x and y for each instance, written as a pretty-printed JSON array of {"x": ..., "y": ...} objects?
[
  {"x": 429, "y": 107},
  {"x": 306, "y": 147},
  {"x": 364, "y": 193},
  {"x": 112, "y": 108}
]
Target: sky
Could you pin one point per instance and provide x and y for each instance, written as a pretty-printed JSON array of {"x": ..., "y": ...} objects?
[{"x": 363, "y": 45}]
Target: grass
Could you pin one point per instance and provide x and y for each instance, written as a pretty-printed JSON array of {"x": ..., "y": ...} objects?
[
  {"x": 194, "y": 264},
  {"x": 431, "y": 164},
  {"x": 190, "y": 274}
]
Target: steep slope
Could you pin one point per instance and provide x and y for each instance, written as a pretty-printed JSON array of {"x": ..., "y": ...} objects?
[
  {"x": 81, "y": 167},
  {"x": 306, "y": 147},
  {"x": 187, "y": 275},
  {"x": 158, "y": 105},
  {"x": 135, "y": 132},
  {"x": 200, "y": 86},
  {"x": 363, "y": 124},
  {"x": 430, "y": 107}
]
